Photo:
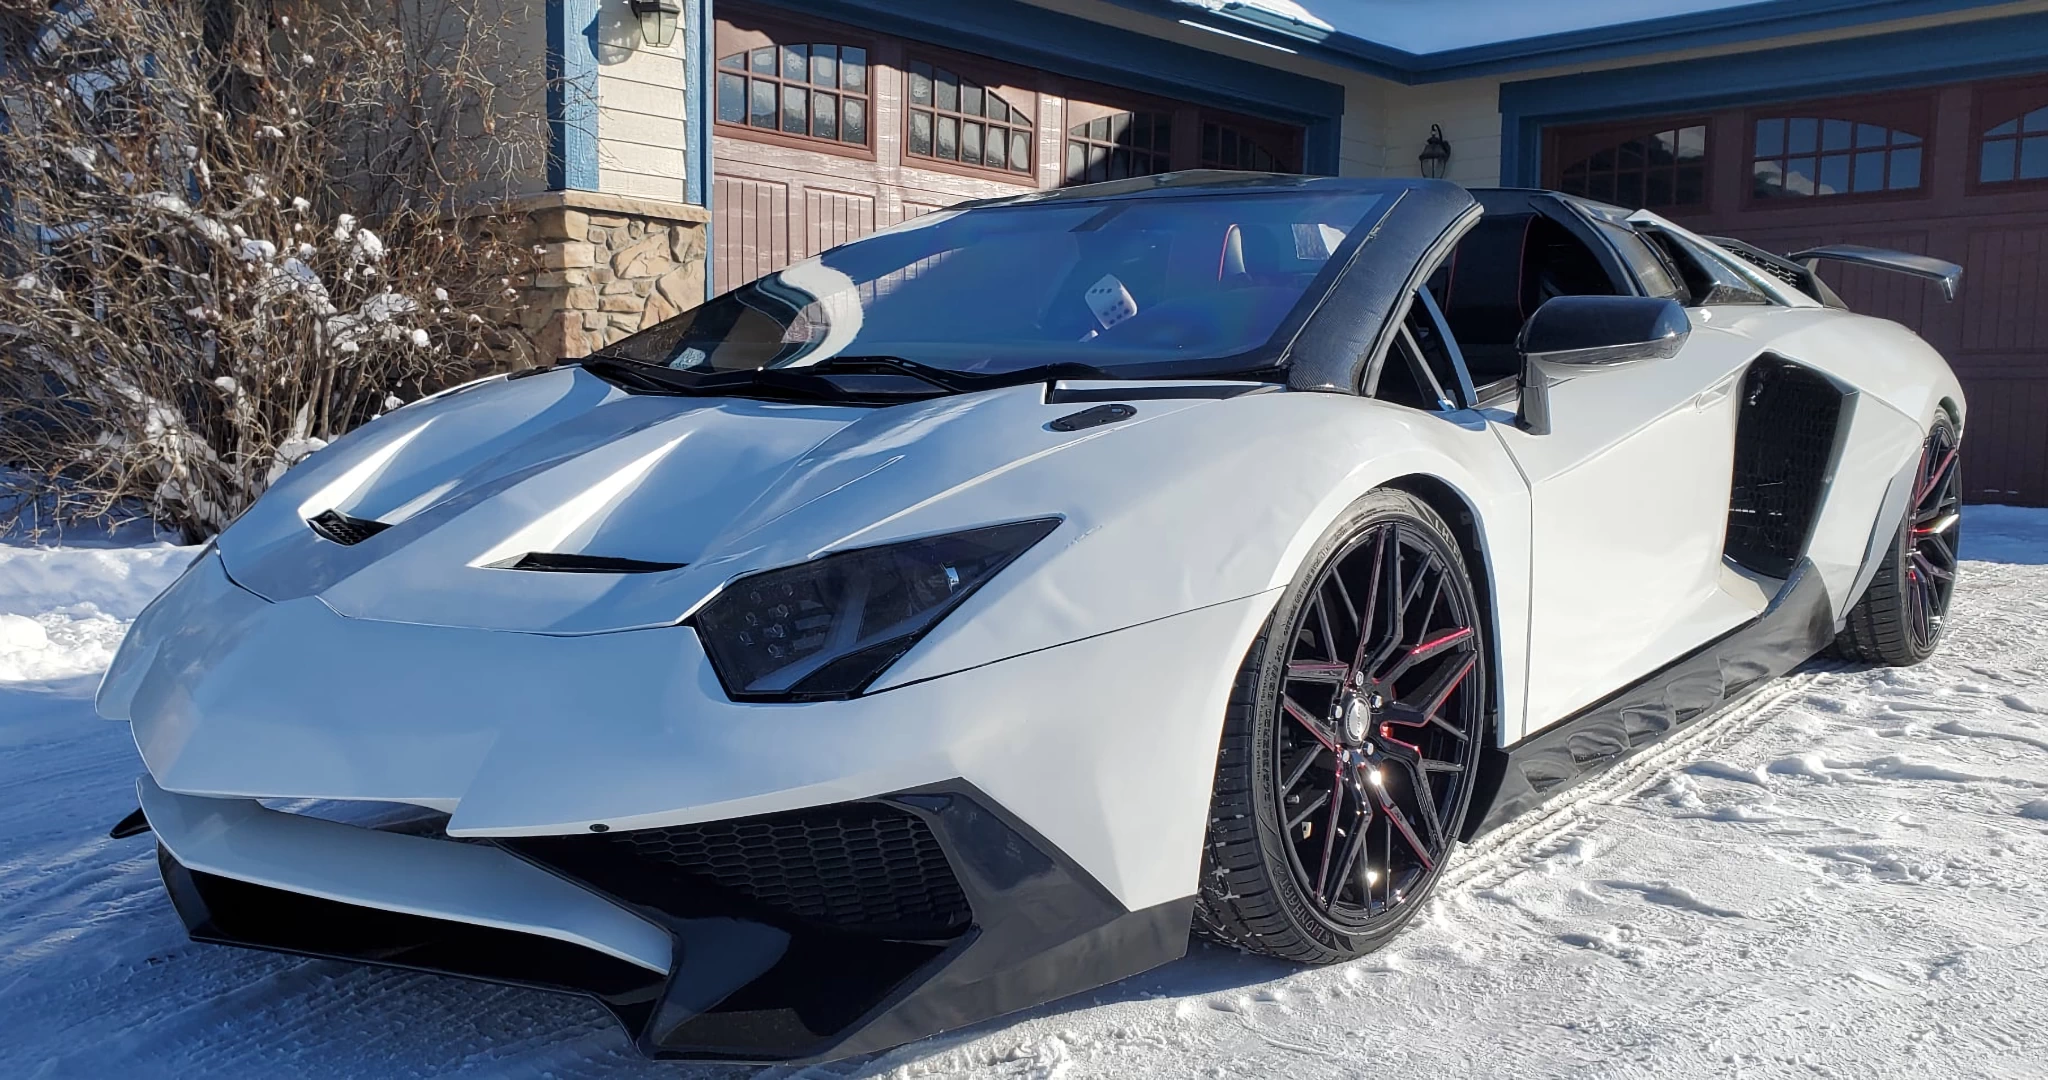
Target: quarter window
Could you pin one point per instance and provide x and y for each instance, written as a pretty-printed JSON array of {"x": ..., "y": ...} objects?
[
  {"x": 957, "y": 119},
  {"x": 817, "y": 91},
  {"x": 1662, "y": 169},
  {"x": 1821, "y": 157}
]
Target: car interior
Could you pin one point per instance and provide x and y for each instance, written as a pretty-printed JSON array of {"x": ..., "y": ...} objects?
[{"x": 1505, "y": 268}]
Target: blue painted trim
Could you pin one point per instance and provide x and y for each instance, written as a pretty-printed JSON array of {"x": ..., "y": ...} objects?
[
  {"x": 1082, "y": 49},
  {"x": 1987, "y": 49},
  {"x": 1742, "y": 23},
  {"x": 698, "y": 80},
  {"x": 572, "y": 94},
  {"x": 702, "y": 60}
]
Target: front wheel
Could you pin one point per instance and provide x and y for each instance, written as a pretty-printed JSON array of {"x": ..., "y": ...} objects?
[
  {"x": 1902, "y": 614},
  {"x": 1351, "y": 743}
]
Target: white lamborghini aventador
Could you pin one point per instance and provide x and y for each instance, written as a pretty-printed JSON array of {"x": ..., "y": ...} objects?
[{"x": 951, "y": 621}]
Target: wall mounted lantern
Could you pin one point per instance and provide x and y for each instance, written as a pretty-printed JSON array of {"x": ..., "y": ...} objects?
[
  {"x": 1436, "y": 154},
  {"x": 657, "y": 20}
]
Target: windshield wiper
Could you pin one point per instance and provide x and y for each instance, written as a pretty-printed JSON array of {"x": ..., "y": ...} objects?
[
  {"x": 777, "y": 384},
  {"x": 959, "y": 382},
  {"x": 845, "y": 379}
]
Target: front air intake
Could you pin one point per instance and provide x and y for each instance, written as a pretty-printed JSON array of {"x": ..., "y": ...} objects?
[
  {"x": 343, "y": 529},
  {"x": 861, "y": 867}
]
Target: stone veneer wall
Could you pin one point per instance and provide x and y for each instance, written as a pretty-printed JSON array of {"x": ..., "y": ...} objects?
[{"x": 610, "y": 265}]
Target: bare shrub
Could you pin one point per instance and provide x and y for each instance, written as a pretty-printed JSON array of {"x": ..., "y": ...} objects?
[{"x": 236, "y": 229}]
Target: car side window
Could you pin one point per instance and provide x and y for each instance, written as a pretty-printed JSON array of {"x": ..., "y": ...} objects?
[
  {"x": 1422, "y": 368},
  {"x": 1707, "y": 281},
  {"x": 1650, "y": 266}
]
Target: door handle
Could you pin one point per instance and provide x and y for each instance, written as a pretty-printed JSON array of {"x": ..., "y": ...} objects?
[{"x": 1713, "y": 395}]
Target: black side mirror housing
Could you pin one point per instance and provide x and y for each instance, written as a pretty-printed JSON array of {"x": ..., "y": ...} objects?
[{"x": 1588, "y": 333}]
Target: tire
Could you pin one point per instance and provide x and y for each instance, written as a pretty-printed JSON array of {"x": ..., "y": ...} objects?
[
  {"x": 1902, "y": 615},
  {"x": 1323, "y": 870}
]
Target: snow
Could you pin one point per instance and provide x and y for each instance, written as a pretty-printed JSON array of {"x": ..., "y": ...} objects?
[
  {"x": 1840, "y": 876},
  {"x": 1434, "y": 26}
]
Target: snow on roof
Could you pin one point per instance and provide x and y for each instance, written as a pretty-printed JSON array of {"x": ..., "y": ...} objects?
[{"x": 1423, "y": 27}]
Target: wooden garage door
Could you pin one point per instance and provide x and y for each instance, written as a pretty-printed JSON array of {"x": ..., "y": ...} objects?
[
  {"x": 1959, "y": 172},
  {"x": 826, "y": 132}
]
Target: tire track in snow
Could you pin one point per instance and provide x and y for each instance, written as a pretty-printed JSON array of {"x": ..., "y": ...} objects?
[{"x": 1522, "y": 844}]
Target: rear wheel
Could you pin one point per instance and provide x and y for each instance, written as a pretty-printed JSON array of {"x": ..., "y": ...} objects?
[
  {"x": 1351, "y": 743},
  {"x": 1902, "y": 615}
]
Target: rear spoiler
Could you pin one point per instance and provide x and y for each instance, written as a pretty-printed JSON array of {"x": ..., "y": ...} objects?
[
  {"x": 1798, "y": 269},
  {"x": 1947, "y": 274}
]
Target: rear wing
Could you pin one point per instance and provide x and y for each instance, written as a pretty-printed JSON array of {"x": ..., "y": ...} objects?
[
  {"x": 1799, "y": 268},
  {"x": 1947, "y": 274}
]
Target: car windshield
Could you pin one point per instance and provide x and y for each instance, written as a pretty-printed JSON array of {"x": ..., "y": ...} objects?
[{"x": 1139, "y": 287}]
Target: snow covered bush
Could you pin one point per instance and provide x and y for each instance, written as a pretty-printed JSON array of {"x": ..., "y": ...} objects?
[{"x": 231, "y": 230}]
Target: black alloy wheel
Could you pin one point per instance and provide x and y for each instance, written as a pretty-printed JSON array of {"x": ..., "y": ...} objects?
[
  {"x": 1356, "y": 749},
  {"x": 1902, "y": 615}
]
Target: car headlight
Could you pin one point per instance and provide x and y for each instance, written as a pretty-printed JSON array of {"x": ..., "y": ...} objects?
[{"x": 829, "y": 627}]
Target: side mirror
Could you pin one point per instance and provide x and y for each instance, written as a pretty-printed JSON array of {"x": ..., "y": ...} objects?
[{"x": 1589, "y": 333}]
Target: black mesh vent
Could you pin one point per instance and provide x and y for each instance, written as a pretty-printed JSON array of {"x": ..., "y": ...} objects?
[
  {"x": 858, "y": 866},
  {"x": 1784, "y": 442},
  {"x": 1789, "y": 275},
  {"x": 343, "y": 529}
]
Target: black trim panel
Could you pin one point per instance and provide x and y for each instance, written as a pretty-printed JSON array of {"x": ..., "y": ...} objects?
[
  {"x": 1786, "y": 437},
  {"x": 1071, "y": 395},
  {"x": 1799, "y": 623},
  {"x": 752, "y": 981},
  {"x": 226, "y": 911}
]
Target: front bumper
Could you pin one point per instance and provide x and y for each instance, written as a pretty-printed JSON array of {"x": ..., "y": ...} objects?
[
  {"x": 802, "y": 936},
  {"x": 745, "y": 882}
]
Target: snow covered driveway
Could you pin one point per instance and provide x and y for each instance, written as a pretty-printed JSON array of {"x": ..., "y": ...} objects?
[{"x": 1847, "y": 875}]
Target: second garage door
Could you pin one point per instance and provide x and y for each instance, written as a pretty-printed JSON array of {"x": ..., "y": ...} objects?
[{"x": 1959, "y": 172}]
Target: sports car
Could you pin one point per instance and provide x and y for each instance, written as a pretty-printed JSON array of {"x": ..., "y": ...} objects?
[{"x": 955, "y": 620}]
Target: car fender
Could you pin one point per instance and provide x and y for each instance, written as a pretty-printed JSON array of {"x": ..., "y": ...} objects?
[{"x": 1210, "y": 505}]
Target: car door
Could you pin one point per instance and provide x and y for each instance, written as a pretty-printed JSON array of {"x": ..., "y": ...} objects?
[{"x": 1629, "y": 492}]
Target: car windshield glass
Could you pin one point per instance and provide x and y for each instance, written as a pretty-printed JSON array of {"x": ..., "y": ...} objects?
[{"x": 1138, "y": 287}]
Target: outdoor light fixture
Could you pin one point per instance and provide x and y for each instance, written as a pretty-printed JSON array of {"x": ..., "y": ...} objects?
[
  {"x": 657, "y": 20},
  {"x": 1436, "y": 154}
]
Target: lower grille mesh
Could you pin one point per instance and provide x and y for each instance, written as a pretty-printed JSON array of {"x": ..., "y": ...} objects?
[{"x": 860, "y": 866}]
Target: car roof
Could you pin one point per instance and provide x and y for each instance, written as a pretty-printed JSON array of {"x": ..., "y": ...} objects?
[{"x": 1216, "y": 182}]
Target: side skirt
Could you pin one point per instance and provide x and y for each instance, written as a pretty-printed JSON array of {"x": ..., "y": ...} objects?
[{"x": 1799, "y": 623}]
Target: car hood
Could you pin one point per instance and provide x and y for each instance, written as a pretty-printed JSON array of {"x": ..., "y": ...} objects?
[{"x": 565, "y": 464}]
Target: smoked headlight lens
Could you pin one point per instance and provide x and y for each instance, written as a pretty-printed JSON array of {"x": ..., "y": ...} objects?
[{"x": 829, "y": 627}]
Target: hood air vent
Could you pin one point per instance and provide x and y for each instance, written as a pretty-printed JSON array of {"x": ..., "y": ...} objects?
[
  {"x": 550, "y": 563},
  {"x": 343, "y": 529}
]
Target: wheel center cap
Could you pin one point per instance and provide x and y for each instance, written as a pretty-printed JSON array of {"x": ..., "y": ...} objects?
[{"x": 1358, "y": 719}]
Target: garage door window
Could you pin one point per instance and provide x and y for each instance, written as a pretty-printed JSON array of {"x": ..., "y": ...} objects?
[
  {"x": 1658, "y": 170},
  {"x": 1120, "y": 145},
  {"x": 2015, "y": 148},
  {"x": 1224, "y": 146},
  {"x": 1825, "y": 156},
  {"x": 817, "y": 91},
  {"x": 958, "y": 120}
]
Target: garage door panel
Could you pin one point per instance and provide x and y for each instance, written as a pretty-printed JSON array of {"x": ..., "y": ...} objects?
[
  {"x": 2005, "y": 452},
  {"x": 832, "y": 217},
  {"x": 2003, "y": 302},
  {"x": 752, "y": 230}
]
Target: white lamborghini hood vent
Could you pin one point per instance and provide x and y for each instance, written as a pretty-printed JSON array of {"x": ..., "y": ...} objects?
[
  {"x": 343, "y": 529},
  {"x": 549, "y": 562}
]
